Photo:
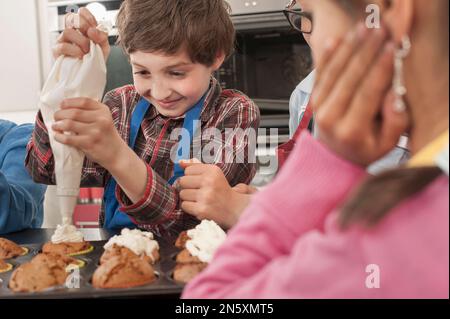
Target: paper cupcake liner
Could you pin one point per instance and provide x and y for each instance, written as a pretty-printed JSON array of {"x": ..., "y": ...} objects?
[
  {"x": 25, "y": 251},
  {"x": 9, "y": 267},
  {"x": 83, "y": 252},
  {"x": 80, "y": 264}
]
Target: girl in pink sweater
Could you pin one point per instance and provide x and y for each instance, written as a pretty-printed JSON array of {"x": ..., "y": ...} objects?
[{"x": 324, "y": 229}]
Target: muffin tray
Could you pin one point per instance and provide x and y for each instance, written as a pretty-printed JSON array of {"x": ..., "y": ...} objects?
[{"x": 79, "y": 285}]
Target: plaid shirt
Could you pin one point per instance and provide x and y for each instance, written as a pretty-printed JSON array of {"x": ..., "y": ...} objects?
[{"x": 159, "y": 210}]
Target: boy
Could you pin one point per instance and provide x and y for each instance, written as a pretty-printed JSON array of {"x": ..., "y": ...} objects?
[
  {"x": 174, "y": 47},
  {"x": 21, "y": 200}
]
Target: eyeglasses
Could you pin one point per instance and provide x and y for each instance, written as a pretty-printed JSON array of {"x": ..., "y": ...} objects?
[{"x": 299, "y": 20}]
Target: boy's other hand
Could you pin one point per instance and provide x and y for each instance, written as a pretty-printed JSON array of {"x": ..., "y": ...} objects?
[
  {"x": 206, "y": 194},
  {"x": 79, "y": 30},
  {"x": 91, "y": 130}
]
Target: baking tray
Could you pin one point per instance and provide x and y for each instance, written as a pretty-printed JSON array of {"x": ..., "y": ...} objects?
[{"x": 163, "y": 287}]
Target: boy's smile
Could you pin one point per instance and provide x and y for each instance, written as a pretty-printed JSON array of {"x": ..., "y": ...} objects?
[
  {"x": 172, "y": 83},
  {"x": 169, "y": 104}
]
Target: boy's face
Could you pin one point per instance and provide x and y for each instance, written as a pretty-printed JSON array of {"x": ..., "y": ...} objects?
[{"x": 172, "y": 83}]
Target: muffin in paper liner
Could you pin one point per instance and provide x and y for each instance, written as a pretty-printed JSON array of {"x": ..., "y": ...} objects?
[
  {"x": 132, "y": 243},
  {"x": 46, "y": 271},
  {"x": 37, "y": 276},
  {"x": 123, "y": 272},
  {"x": 117, "y": 250},
  {"x": 5, "y": 267},
  {"x": 182, "y": 239},
  {"x": 68, "y": 262},
  {"x": 9, "y": 249},
  {"x": 68, "y": 249},
  {"x": 194, "y": 255},
  {"x": 187, "y": 267}
]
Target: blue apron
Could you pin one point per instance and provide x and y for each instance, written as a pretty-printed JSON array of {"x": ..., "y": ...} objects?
[{"x": 114, "y": 218}]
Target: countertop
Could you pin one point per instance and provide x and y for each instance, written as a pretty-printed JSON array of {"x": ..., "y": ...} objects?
[{"x": 35, "y": 236}]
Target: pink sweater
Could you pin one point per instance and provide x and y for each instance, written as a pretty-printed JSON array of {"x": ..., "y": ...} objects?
[{"x": 288, "y": 244}]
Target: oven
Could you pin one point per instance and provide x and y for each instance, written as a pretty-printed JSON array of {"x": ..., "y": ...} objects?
[{"x": 270, "y": 60}]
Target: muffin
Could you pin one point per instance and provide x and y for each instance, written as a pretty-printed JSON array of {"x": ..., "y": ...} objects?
[
  {"x": 187, "y": 267},
  {"x": 185, "y": 257},
  {"x": 184, "y": 273},
  {"x": 38, "y": 275},
  {"x": 133, "y": 243},
  {"x": 182, "y": 239},
  {"x": 62, "y": 260},
  {"x": 67, "y": 240},
  {"x": 117, "y": 250},
  {"x": 9, "y": 249},
  {"x": 198, "y": 247},
  {"x": 4, "y": 267},
  {"x": 123, "y": 272},
  {"x": 68, "y": 249}
]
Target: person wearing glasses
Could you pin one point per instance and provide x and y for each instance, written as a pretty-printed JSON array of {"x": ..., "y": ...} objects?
[
  {"x": 301, "y": 21},
  {"x": 300, "y": 18},
  {"x": 325, "y": 228},
  {"x": 21, "y": 200},
  {"x": 216, "y": 199}
]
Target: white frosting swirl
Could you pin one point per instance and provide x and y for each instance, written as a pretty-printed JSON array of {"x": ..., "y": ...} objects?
[
  {"x": 67, "y": 233},
  {"x": 204, "y": 240},
  {"x": 137, "y": 241}
]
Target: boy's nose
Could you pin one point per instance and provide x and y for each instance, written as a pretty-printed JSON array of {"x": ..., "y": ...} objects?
[{"x": 160, "y": 91}]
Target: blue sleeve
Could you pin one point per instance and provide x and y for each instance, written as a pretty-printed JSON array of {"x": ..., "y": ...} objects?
[{"x": 21, "y": 200}]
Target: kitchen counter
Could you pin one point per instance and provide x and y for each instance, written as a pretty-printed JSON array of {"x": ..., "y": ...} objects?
[{"x": 33, "y": 236}]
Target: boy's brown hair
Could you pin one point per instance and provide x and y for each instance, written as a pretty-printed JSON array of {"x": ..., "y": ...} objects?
[{"x": 202, "y": 27}]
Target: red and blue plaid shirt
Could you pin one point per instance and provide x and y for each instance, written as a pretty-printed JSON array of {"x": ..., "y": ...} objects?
[{"x": 159, "y": 210}]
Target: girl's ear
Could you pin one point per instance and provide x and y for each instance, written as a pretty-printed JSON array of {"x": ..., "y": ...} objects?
[{"x": 398, "y": 15}]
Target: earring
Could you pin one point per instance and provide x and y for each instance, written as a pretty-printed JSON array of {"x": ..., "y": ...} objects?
[{"x": 398, "y": 84}]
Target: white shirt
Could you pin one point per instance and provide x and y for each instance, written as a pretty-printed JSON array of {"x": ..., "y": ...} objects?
[
  {"x": 297, "y": 107},
  {"x": 299, "y": 100}
]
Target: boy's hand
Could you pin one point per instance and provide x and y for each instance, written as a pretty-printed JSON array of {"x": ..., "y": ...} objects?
[
  {"x": 206, "y": 194},
  {"x": 80, "y": 28},
  {"x": 91, "y": 130},
  {"x": 353, "y": 100}
]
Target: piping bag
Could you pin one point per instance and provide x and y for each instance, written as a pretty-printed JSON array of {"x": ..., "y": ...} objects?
[{"x": 71, "y": 78}]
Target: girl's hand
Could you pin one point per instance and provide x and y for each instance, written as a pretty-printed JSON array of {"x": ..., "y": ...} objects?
[
  {"x": 80, "y": 28},
  {"x": 91, "y": 129},
  {"x": 353, "y": 99}
]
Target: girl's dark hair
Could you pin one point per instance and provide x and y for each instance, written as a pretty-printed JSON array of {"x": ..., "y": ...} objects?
[{"x": 380, "y": 194}]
